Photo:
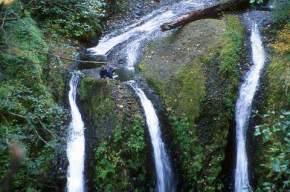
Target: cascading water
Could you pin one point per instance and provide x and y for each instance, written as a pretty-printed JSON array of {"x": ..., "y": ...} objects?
[
  {"x": 129, "y": 41},
  {"x": 145, "y": 29},
  {"x": 243, "y": 110},
  {"x": 126, "y": 43},
  {"x": 76, "y": 143},
  {"x": 162, "y": 164}
]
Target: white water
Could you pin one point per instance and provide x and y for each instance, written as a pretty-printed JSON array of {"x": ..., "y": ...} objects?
[
  {"x": 161, "y": 160},
  {"x": 76, "y": 143},
  {"x": 144, "y": 29},
  {"x": 243, "y": 110}
]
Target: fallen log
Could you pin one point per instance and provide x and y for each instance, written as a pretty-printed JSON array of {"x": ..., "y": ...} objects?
[{"x": 208, "y": 12}]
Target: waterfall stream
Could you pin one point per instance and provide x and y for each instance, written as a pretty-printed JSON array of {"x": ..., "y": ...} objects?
[
  {"x": 128, "y": 43},
  {"x": 76, "y": 143},
  {"x": 243, "y": 110},
  {"x": 162, "y": 164}
]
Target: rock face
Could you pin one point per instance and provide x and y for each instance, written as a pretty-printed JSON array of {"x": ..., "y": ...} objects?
[
  {"x": 195, "y": 70},
  {"x": 115, "y": 137}
]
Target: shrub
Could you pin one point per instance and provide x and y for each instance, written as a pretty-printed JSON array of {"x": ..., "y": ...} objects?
[
  {"x": 73, "y": 18},
  {"x": 273, "y": 135},
  {"x": 120, "y": 159}
]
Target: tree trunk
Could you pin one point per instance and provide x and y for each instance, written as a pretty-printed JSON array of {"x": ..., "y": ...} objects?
[{"x": 207, "y": 12}]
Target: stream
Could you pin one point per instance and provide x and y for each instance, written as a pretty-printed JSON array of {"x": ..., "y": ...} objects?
[
  {"x": 243, "y": 110},
  {"x": 130, "y": 39},
  {"x": 124, "y": 48}
]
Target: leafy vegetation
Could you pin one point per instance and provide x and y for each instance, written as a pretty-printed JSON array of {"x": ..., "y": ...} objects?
[
  {"x": 274, "y": 135},
  {"x": 198, "y": 94},
  {"x": 119, "y": 153},
  {"x": 114, "y": 170},
  {"x": 31, "y": 120},
  {"x": 72, "y": 18},
  {"x": 191, "y": 156}
]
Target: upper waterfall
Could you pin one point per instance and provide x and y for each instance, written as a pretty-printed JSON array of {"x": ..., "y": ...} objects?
[
  {"x": 144, "y": 29},
  {"x": 243, "y": 110}
]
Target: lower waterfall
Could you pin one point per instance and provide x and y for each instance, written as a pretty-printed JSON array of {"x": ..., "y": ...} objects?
[
  {"x": 161, "y": 160},
  {"x": 76, "y": 143}
]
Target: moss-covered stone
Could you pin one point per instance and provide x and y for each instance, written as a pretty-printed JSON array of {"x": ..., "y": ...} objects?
[
  {"x": 191, "y": 70},
  {"x": 117, "y": 151}
]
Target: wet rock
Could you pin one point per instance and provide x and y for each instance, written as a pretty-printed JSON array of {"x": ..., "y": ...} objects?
[{"x": 89, "y": 61}]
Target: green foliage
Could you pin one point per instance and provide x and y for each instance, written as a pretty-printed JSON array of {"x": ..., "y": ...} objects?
[
  {"x": 36, "y": 123},
  {"x": 118, "y": 6},
  {"x": 72, "y": 18},
  {"x": 191, "y": 152},
  {"x": 231, "y": 56},
  {"x": 272, "y": 133},
  {"x": 20, "y": 59},
  {"x": 274, "y": 136},
  {"x": 281, "y": 10},
  {"x": 120, "y": 156},
  {"x": 120, "y": 160},
  {"x": 28, "y": 113}
]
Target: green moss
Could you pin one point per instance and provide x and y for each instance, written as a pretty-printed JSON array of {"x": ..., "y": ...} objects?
[
  {"x": 232, "y": 49},
  {"x": 192, "y": 90},
  {"x": 197, "y": 82},
  {"x": 116, "y": 120}
]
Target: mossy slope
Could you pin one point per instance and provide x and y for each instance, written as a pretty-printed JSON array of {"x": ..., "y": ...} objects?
[
  {"x": 31, "y": 119},
  {"x": 117, "y": 155},
  {"x": 196, "y": 73}
]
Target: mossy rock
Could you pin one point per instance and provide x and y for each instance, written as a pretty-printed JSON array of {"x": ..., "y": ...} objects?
[
  {"x": 191, "y": 70},
  {"x": 115, "y": 132}
]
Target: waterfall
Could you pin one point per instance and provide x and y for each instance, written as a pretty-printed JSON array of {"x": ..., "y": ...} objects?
[
  {"x": 243, "y": 110},
  {"x": 127, "y": 43},
  {"x": 162, "y": 164},
  {"x": 76, "y": 143}
]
